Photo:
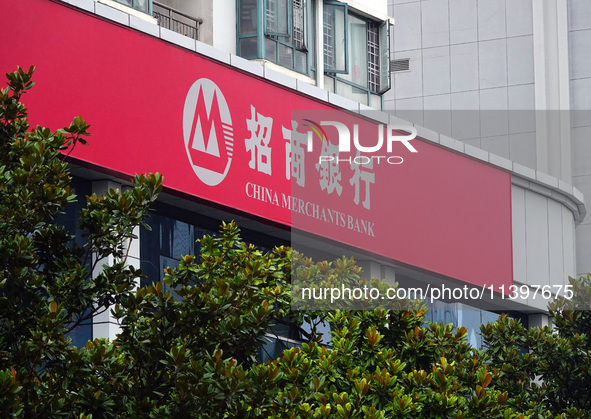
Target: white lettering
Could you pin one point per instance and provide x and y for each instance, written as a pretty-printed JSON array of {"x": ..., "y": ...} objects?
[
  {"x": 364, "y": 149},
  {"x": 404, "y": 139}
]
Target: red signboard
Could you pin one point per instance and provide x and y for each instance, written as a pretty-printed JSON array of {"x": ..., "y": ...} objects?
[{"x": 225, "y": 136}]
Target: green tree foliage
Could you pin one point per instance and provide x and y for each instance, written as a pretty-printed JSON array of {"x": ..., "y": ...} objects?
[
  {"x": 46, "y": 286},
  {"x": 365, "y": 374},
  {"x": 546, "y": 369},
  {"x": 188, "y": 345}
]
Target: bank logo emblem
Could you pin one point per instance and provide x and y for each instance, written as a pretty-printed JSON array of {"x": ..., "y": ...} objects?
[{"x": 208, "y": 132}]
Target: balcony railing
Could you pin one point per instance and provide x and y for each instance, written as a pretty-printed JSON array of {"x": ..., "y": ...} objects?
[{"x": 176, "y": 21}]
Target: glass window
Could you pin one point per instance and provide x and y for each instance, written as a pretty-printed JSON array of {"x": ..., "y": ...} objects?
[
  {"x": 82, "y": 333},
  {"x": 284, "y": 40},
  {"x": 471, "y": 319},
  {"x": 301, "y": 61},
  {"x": 285, "y": 56},
  {"x": 335, "y": 37},
  {"x": 299, "y": 25},
  {"x": 142, "y": 5},
  {"x": 271, "y": 49},
  {"x": 277, "y": 17},
  {"x": 329, "y": 83},
  {"x": 358, "y": 52},
  {"x": 375, "y": 101},
  {"x": 273, "y": 348},
  {"x": 368, "y": 55},
  {"x": 69, "y": 219},
  {"x": 248, "y": 47},
  {"x": 164, "y": 246},
  {"x": 384, "y": 53},
  {"x": 247, "y": 17},
  {"x": 174, "y": 233},
  {"x": 351, "y": 92}
]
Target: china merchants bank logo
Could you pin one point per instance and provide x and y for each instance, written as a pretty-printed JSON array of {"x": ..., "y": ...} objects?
[{"x": 208, "y": 132}]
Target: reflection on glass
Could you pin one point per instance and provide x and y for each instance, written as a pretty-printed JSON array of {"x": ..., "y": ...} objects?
[
  {"x": 270, "y": 49},
  {"x": 248, "y": 48},
  {"x": 285, "y": 56},
  {"x": 142, "y": 5},
  {"x": 357, "y": 52},
  {"x": 276, "y": 17},
  {"x": 329, "y": 84},
  {"x": 375, "y": 101},
  {"x": 274, "y": 348},
  {"x": 334, "y": 38},
  {"x": 247, "y": 19},
  {"x": 352, "y": 92},
  {"x": 165, "y": 245},
  {"x": 301, "y": 62}
]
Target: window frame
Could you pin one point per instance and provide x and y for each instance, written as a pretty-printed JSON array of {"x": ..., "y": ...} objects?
[
  {"x": 134, "y": 7},
  {"x": 279, "y": 41},
  {"x": 385, "y": 56},
  {"x": 384, "y": 45},
  {"x": 282, "y": 50},
  {"x": 346, "y": 36},
  {"x": 288, "y": 30}
]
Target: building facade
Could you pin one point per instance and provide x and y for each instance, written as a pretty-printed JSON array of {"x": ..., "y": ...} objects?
[
  {"x": 508, "y": 77},
  {"x": 226, "y": 98}
]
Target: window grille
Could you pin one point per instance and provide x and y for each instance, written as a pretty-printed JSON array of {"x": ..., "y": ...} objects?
[
  {"x": 373, "y": 57},
  {"x": 277, "y": 17},
  {"x": 271, "y": 16},
  {"x": 298, "y": 25},
  {"x": 329, "y": 40}
]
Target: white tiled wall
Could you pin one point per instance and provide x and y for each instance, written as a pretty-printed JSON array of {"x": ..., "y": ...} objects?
[
  {"x": 542, "y": 239},
  {"x": 463, "y": 21},
  {"x": 464, "y": 67},
  {"x": 490, "y": 71},
  {"x": 491, "y": 19},
  {"x": 478, "y": 51},
  {"x": 520, "y": 60},
  {"x": 580, "y": 87},
  {"x": 435, "y": 24},
  {"x": 518, "y": 17}
]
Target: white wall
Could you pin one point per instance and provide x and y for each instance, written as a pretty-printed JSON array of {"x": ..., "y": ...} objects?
[
  {"x": 380, "y": 6},
  {"x": 543, "y": 240},
  {"x": 224, "y": 25},
  {"x": 580, "y": 84},
  {"x": 467, "y": 55},
  {"x": 514, "y": 58}
]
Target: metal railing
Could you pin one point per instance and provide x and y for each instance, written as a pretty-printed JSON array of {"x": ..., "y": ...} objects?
[{"x": 176, "y": 21}]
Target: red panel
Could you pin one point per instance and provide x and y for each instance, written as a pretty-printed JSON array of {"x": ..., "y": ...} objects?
[{"x": 438, "y": 211}]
